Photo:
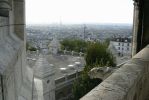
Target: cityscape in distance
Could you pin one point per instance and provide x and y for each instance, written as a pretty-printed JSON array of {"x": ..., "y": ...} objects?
[
  {"x": 61, "y": 67},
  {"x": 95, "y": 31}
]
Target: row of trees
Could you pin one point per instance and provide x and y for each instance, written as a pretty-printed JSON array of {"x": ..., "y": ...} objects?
[
  {"x": 97, "y": 54},
  {"x": 76, "y": 45}
]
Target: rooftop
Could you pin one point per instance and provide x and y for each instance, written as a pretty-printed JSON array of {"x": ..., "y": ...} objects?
[
  {"x": 122, "y": 39},
  {"x": 57, "y": 65},
  {"x": 42, "y": 68},
  {"x": 65, "y": 64}
]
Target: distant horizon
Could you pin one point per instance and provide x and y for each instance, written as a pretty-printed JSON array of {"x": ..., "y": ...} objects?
[{"x": 82, "y": 24}]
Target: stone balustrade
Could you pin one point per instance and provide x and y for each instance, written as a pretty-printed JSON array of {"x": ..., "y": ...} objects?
[
  {"x": 130, "y": 82},
  {"x": 73, "y": 53}
]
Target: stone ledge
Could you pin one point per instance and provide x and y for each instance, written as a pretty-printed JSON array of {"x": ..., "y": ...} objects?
[
  {"x": 127, "y": 83},
  {"x": 143, "y": 54}
]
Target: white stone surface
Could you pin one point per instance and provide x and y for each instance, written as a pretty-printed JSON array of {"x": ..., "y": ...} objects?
[
  {"x": 44, "y": 84},
  {"x": 130, "y": 82},
  {"x": 100, "y": 72},
  {"x": 17, "y": 77}
]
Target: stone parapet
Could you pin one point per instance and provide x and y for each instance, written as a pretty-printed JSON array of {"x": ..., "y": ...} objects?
[{"x": 130, "y": 82}]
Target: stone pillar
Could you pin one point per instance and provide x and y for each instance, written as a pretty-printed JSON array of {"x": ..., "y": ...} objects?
[
  {"x": 141, "y": 25},
  {"x": 72, "y": 53},
  {"x": 135, "y": 27},
  {"x": 64, "y": 52},
  {"x": 80, "y": 54}
]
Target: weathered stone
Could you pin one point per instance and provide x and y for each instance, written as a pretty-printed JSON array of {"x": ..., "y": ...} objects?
[
  {"x": 143, "y": 54},
  {"x": 4, "y": 8},
  {"x": 100, "y": 72},
  {"x": 16, "y": 76},
  {"x": 130, "y": 82}
]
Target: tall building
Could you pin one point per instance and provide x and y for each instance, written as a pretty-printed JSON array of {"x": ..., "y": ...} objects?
[{"x": 122, "y": 46}]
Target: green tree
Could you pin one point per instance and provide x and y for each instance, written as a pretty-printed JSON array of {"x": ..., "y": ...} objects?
[
  {"x": 83, "y": 85},
  {"x": 74, "y": 45},
  {"x": 97, "y": 55}
]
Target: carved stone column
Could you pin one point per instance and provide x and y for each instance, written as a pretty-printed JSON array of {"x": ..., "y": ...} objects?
[{"x": 135, "y": 27}]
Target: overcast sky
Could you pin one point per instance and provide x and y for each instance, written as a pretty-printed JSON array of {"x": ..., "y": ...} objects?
[{"x": 79, "y": 11}]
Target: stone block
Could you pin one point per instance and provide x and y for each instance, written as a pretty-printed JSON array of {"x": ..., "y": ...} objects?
[{"x": 143, "y": 55}]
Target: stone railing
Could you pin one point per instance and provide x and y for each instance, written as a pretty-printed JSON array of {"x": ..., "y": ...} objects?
[
  {"x": 73, "y": 53},
  {"x": 66, "y": 79},
  {"x": 130, "y": 82}
]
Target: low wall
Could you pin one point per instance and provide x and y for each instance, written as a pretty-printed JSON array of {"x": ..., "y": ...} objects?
[{"x": 130, "y": 82}]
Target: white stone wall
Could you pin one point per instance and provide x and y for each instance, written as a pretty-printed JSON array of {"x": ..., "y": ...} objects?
[
  {"x": 49, "y": 88},
  {"x": 17, "y": 77},
  {"x": 44, "y": 89},
  {"x": 130, "y": 82}
]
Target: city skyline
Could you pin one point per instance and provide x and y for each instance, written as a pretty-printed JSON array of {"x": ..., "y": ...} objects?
[{"x": 79, "y": 11}]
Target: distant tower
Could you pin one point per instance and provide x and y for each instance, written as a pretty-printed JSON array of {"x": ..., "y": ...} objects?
[
  {"x": 60, "y": 25},
  {"x": 54, "y": 46},
  {"x": 84, "y": 31}
]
